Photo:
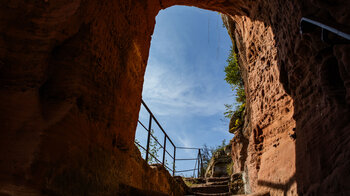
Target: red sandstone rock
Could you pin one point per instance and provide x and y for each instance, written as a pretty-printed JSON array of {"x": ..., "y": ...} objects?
[{"x": 71, "y": 75}]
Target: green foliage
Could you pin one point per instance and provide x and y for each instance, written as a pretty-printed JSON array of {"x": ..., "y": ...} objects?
[
  {"x": 206, "y": 156},
  {"x": 187, "y": 182},
  {"x": 229, "y": 111},
  {"x": 208, "y": 153},
  {"x": 232, "y": 70},
  {"x": 234, "y": 76},
  {"x": 219, "y": 148},
  {"x": 153, "y": 149},
  {"x": 229, "y": 168},
  {"x": 237, "y": 118},
  {"x": 235, "y": 80},
  {"x": 240, "y": 94}
]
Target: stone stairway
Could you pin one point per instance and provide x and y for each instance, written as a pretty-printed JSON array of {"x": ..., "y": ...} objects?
[{"x": 212, "y": 186}]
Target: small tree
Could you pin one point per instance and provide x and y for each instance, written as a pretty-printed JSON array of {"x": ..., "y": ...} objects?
[
  {"x": 207, "y": 154},
  {"x": 234, "y": 78},
  {"x": 153, "y": 149}
]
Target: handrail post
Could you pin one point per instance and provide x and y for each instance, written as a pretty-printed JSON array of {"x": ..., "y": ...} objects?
[
  {"x": 164, "y": 147},
  {"x": 202, "y": 172},
  {"x": 199, "y": 152},
  {"x": 149, "y": 136},
  {"x": 174, "y": 161}
]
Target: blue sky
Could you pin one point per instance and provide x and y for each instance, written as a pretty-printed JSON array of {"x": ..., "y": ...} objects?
[{"x": 184, "y": 81}]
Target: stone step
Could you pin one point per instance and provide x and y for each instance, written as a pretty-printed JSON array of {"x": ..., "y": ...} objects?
[
  {"x": 216, "y": 179},
  {"x": 210, "y": 189},
  {"x": 213, "y": 194},
  {"x": 218, "y": 183},
  {"x": 195, "y": 180}
]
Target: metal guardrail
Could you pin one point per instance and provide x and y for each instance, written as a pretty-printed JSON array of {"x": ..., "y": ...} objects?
[
  {"x": 198, "y": 166},
  {"x": 199, "y": 163},
  {"x": 307, "y": 25}
]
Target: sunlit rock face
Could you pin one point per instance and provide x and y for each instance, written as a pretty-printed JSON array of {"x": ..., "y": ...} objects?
[
  {"x": 264, "y": 148},
  {"x": 219, "y": 163},
  {"x": 298, "y": 100},
  {"x": 71, "y": 75}
]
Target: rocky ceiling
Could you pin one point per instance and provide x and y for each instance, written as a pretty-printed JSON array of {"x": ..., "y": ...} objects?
[{"x": 71, "y": 75}]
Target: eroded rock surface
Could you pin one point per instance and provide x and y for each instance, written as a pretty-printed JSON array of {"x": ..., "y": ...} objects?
[
  {"x": 263, "y": 149},
  {"x": 296, "y": 88},
  {"x": 71, "y": 75},
  {"x": 219, "y": 163}
]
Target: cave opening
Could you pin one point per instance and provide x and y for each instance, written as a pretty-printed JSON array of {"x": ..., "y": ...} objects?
[
  {"x": 71, "y": 79},
  {"x": 184, "y": 82}
]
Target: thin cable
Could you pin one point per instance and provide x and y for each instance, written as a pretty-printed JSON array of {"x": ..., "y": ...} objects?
[
  {"x": 208, "y": 29},
  {"x": 195, "y": 167},
  {"x": 218, "y": 48}
]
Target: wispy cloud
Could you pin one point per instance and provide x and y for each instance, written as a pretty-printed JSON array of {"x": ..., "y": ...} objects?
[
  {"x": 183, "y": 76},
  {"x": 185, "y": 141},
  {"x": 179, "y": 92},
  {"x": 184, "y": 81}
]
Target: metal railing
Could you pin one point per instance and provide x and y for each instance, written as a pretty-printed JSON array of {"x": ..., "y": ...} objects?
[
  {"x": 308, "y": 25},
  {"x": 198, "y": 165}
]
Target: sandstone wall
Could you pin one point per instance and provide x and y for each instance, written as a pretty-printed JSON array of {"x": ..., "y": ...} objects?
[
  {"x": 298, "y": 106},
  {"x": 264, "y": 149},
  {"x": 71, "y": 75}
]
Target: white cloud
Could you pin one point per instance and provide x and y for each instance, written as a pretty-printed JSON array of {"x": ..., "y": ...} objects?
[
  {"x": 185, "y": 141},
  {"x": 180, "y": 93},
  {"x": 182, "y": 79},
  {"x": 184, "y": 85}
]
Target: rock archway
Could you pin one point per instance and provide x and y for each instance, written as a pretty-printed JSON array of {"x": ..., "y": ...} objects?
[{"x": 71, "y": 75}]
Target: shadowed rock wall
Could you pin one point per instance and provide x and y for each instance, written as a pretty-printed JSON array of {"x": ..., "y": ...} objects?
[{"x": 71, "y": 75}]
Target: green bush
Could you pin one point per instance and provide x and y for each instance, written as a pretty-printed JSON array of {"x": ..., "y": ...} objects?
[
  {"x": 235, "y": 80},
  {"x": 232, "y": 70},
  {"x": 153, "y": 149},
  {"x": 229, "y": 168},
  {"x": 237, "y": 119},
  {"x": 209, "y": 152}
]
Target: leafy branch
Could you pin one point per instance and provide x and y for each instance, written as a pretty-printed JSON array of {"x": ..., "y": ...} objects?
[{"x": 235, "y": 80}]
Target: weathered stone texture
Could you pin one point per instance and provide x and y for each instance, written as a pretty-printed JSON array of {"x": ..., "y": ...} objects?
[
  {"x": 270, "y": 154},
  {"x": 297, "y": 100},
  {"x": 71, "y": 75},
  {"x": 219, "y": 163}
]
